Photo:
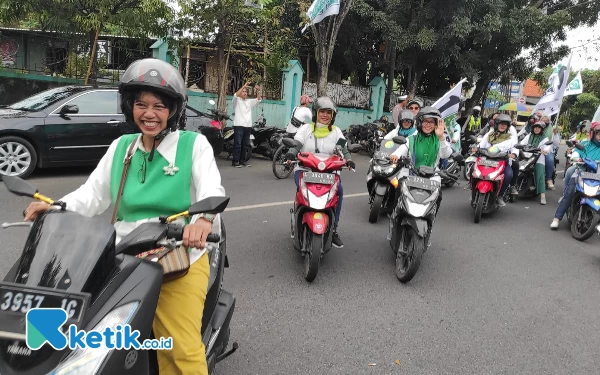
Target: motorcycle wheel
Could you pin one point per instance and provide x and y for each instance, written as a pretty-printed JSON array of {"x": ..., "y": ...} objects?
[
  {"x": 480, "y": 199},
  {"x": 280, "y": 169},
  {"x": 375, "y": 207},
  {"x": 581, "y": 230},
  {"x": 409, "y": 255},
  {"x": 312, "y": 258}
]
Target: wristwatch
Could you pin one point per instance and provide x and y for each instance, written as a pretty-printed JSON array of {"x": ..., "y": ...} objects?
[{"x": 209, "y": 217}]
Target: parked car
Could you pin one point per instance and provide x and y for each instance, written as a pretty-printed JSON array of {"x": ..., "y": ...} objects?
[{"x": 65, "y": 126}]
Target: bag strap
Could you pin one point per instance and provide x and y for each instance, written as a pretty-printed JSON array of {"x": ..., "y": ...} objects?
[
  {"x": 315, "y": 137},
  {"x": 126, "y": 163}
]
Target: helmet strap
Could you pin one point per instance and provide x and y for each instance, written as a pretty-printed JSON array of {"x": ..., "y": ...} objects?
[{"x": 158, "y": 137}]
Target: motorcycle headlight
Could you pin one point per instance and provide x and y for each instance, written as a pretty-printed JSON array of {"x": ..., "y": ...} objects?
[
  {"x": 406, "y": 192},
  {"x": 333, "y": 191},
  {"x": 588, "y": 190},
  {"x": 88, "y": 361},
  {"x": 385, "y": 170},
  {"x": 527, "y": 155},
  {"x": 303, "y": 189}
]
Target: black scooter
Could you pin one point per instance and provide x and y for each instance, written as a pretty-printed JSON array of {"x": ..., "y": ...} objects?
[{"x": 71, "y": 260}]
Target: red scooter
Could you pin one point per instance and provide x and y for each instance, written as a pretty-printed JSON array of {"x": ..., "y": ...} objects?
[
  {"x": 315, "y": 204},
  {"x": 486, "y": 181}
]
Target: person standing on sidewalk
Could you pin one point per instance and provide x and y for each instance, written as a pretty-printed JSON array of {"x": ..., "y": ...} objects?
[{"x": 242, "y": 124}]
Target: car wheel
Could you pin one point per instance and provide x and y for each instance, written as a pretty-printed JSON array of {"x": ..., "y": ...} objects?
[{"x": 17, "y": 157}]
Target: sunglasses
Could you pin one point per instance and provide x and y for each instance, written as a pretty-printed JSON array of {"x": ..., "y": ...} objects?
[{"x": 413, "y": 107}]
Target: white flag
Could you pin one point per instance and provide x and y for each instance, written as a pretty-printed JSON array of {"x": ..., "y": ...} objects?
[
  {"x": 597, "y": 115},
  {"x": 449, "y": 104},
  {"x": 575, "y": 87},
  {"x": 551, "y": 102},
  {"x": 320, "y": 9}
]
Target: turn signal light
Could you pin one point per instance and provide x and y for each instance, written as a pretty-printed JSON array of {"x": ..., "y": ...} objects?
[{"x": 394, "y": 182}]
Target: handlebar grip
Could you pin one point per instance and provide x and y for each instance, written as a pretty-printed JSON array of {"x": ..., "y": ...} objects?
[
  {"x": 175, "y": 231},
  {"x": 213, "y": 237}
]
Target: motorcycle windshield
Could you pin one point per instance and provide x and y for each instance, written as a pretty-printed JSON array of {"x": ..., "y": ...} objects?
[
  {"x": 386, "y": 148},
  {"x": 65, "y": 250}
]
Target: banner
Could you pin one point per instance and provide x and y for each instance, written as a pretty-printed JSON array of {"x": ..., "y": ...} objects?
[
  {"x": 576, "y": 86},
  {"x": 551, "y": 102},
  {"x": 449, "y": 104},
  {"x": 320, "y": 9}
]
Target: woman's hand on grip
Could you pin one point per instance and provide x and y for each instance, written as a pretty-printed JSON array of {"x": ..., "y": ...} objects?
[
  {"x": 194, "y": 235},
  {"x": 34, "y": 209}
]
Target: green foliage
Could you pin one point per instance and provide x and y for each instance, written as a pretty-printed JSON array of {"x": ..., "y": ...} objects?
[{"x": 584, "y": 108}]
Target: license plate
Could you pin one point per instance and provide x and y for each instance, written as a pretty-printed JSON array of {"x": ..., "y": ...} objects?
[
  {"x": 590, "y": 176},
  {"x": 17, "y": 299},
  {"x": 421, "y": 183},
  {"x": 488, "y": 163},
  {"x": 319, "y": 178}
]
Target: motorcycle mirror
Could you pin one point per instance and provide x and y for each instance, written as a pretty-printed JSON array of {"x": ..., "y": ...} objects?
[
  {"x": 211, "y": 102},
  {"x": 579, "y": 146},
  {"x": 548, "y": 143},
  {"x": 354, "y": 147},
  {"x": 210, "y": 205},
  {"x": 19, "y": 186},
  {"x": 399, "y": 140},
  {"x": 290, "y": 142},
  {"x": 341, "y": 142},
  {"x": 569, "y": 143},
  {"x": 473, "y": 138},
  {"x": 458, "y": 157},
  {"x": 519, "y": 147}
]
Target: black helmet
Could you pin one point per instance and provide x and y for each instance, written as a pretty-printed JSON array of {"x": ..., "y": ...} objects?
[
  {"x": 406, "y": 115},
  {"x": 427, "y": 112},
  {"x": 324, "y": 102},
  {"x": 502, "y": 118},
  {"x": 157, "y": 76}
]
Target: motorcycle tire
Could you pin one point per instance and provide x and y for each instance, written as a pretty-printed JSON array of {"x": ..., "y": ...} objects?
[
  {"x": 409, "y": 255},
  {"x": 312, "y": 258},
  {"x": 278, "y": 157},
  {"x": 579, "y": 233},
  {"x": 480, "y": 200},
  {"x": 375, "y": 208}
]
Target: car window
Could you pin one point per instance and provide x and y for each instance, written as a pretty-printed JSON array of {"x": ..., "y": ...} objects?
[
  {"x": 96, "y": 103},
  {"x": 46, "y": 98}
]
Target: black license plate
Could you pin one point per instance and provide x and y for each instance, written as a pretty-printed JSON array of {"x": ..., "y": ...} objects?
[
  {"x": 590, "y": 176},
  {"x": 17, "y": 299},
  {"x": 421, "y": 183},
  {"x": 319, "y": 178},
  {"x": 488, "y": 163}
]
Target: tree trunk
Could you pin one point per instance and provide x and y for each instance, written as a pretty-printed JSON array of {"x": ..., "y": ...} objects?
[
  {"x": 93, "y": 64},
  {"x": 391, "y": 74},
  {"x": 413, "y": 84},
  {"x": 325, "y": 34},
  {"x": 223, "y": 79},
  {"x": 482, "y": 83}
]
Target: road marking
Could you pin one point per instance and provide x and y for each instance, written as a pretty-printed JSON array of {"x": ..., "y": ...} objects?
[{"x": 283, "y": 203}]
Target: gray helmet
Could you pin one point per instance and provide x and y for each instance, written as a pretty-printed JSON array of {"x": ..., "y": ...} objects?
[
  {"x": 157, "y": 76},
  {"x": 427, "y": 112},
  {"x": 415, "y": 101},
  {"x": 406, "y": 115},
  {"x": 502, "y": 118},
  {"x": 539, "y": 123},
  {"x": 324, "y": 102}
]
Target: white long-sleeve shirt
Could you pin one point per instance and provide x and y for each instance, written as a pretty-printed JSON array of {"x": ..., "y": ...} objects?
[
  {"x": 94, "y": 197},
  {"x": 303, "y": 114},
  {"x": 507, "y": 146}
]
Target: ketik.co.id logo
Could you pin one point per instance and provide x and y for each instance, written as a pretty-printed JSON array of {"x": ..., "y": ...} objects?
[{"x": 45, "y": 326}]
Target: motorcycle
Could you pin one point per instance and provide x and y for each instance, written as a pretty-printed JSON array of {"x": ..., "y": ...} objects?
[
  {"x": 313, "y": 213},
  {"x": 209, "y": 125},
  {"x": 452, "y": 170},
  {"x": 469, "y": 162},
  {"x": 569, "y": 154},
  {"x": 525, "y": 181},
  {"x": 260, "y": 140},
  {"x": 382, "y": 180},
  {"x": 71, "y": 262},
  {"x": 412, "y": 220},
  {"x": 486, "y": 181},
  {"x": 583, "y": 215}
]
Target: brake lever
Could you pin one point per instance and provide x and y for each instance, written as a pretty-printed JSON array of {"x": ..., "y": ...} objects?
[{"x": 17, "y": 224}]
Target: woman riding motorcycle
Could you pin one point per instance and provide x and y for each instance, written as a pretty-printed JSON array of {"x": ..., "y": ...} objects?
[
  {"x": 322, "y": 137},
  {"x": 414, "y": 105},
  {"x": 537, "y": 138},
  {"x": 582, "y": 132},
  {"x": 406, "y": 119},
  {"x": 176, "y": 169},
  {"x": 501, "y": 139},
  {"x": 592, "y": 151}
]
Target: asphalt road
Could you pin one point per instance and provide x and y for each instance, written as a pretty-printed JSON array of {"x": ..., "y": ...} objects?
[{"x": 506, "y": 296}]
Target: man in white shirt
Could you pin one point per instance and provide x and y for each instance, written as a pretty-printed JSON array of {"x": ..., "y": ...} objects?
[{"x": 242, "y": 124}]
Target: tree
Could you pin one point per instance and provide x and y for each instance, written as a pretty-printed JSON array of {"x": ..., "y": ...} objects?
[{"x": 584, "y": 108}]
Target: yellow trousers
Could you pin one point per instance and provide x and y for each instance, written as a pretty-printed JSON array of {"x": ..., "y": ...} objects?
[{"x": 179, "y": 315}]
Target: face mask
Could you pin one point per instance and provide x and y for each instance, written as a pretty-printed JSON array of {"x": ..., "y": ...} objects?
[{"x": 319, "y": 125}]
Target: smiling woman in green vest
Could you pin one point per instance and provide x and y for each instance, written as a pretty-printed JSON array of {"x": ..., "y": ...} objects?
[{"x": 170, "y": 169}]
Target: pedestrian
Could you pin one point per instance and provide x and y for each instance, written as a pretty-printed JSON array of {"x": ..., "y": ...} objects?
[
  {"x": 300, "y": 115},
  {"x": 242, "y": 124},
  {"x": 401, "y": 104}
]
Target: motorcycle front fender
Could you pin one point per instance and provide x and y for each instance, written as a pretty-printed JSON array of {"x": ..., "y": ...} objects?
[
  {"x": 420, "y": 226},
  {"x": 592, "y": 202},
  {"x": 316, "y": 221},
  {"x": 484, "y": 186},
  {"x": 381, "y": 189}
]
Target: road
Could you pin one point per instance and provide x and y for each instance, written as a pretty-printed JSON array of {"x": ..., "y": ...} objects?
[{"x": 506, "y": 296}]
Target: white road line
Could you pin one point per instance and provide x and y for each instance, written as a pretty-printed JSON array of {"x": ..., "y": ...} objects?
[{"x": 283, "y": 203}]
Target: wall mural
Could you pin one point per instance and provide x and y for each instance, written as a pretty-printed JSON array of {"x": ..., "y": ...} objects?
[
  {"x": 8, "y": 52},
  {"x": 342, "y": 95}
]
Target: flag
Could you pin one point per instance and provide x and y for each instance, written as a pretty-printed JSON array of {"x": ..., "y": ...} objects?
[
  {"x": 551, "y": 102},
  {"x": 575, "y": 87},
  {"x": 449, "y": 104},
  {"x": 321, "y": 9},
  {"x": 596, "y": 117}
]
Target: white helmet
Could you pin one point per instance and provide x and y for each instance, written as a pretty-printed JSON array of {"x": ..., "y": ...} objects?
[{"x": 477, "y": 108}]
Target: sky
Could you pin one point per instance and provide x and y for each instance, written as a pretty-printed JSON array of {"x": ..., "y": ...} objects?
[{"x": 585, "y": 42}]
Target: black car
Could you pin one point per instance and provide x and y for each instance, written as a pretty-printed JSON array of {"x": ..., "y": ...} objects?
[{"x": 70, "y": 126}]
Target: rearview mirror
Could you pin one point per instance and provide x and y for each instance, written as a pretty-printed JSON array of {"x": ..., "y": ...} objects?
[
  {"x": 19, "y": 186},
  {"x": 519, "y": 147},
  {"x": 210, "y": 205},
  {"x": 291, "y": 142},
  {"x": 473, "y": 138},
  {"x": 569, "y": 143},
  {"x": 211, "y": 102},
  {"x": 457, "y": 157},
  {"x": 355, "y": 147},
  {"x": 399, "y": 140},
  {"x": 341, "y": 142},
  {"x": 69, "y": 108},
  {"x": 549, "y": 143},
  {"x": 579, "y": 146}
]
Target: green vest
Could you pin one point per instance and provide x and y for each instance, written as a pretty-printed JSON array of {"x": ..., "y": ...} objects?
[
  {"x": 412, "y": 149},
  {"x": 160, "y": 194}
]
